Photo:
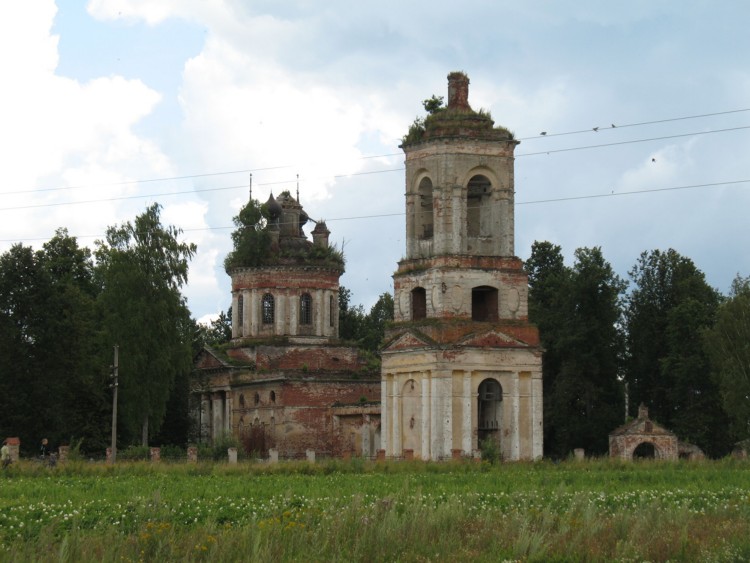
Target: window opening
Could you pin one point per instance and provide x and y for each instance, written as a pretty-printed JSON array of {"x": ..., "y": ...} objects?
[
  {"x": 256, "y": 399},
  {"x": 418, "y": 303},
  {"x": 305, "y": 309},
  {"x": 425, "y": 210},
  {"x": 332, "y": 310},
  {"x": 484, "y": 304},
  {"x": 241, "y": 313},
  {"x": 268, "y": 309}
]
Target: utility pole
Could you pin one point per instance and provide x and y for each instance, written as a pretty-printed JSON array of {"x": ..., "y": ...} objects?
[{"x": 114, "y": 385}]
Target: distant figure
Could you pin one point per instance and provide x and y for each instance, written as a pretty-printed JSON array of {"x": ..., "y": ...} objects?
[
  {"x": 5, "y": 454},
  {"x": 44, "y": 449}
]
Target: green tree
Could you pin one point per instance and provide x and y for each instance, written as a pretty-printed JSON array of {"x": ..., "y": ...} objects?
[
  {"x": 375, "y": 322},
  {"x": 52, "y": 383},
  {"x": 77, "y": 382},
  {"x": 577, "y": 311},
  {"x": 251, "y": 240},
  {"x": 671, "y": 305},
  {"x": 728, "y": 346},
  {"x": 21, "y": 325},
  {"x": 142, "y": 267},
  {"x": 351, "y": 318}
]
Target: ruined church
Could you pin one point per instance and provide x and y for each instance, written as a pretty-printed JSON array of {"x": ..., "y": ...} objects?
[{"x": 461, "y": 365}]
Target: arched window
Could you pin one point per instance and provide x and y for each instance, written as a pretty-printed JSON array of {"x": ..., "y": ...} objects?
[
  {"x": 256, "y": 399},
  {"x": 332, "y": 310},
  {"x": 305, "y": 309},
  {"x": 418, "y": 303},
  {"x": 484, "y": 304},
  {"x": 268, "y": 309},
  {"x": 241, "y": 313},
  {"x": 424, "y": 210},
  {"x": 273, "y": 396},
  {"x": 242, "y": 399},
  {"x": 478, "y": 207}
]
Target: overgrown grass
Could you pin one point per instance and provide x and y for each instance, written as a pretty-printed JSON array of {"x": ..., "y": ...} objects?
[{"x": 364, "y": 511}]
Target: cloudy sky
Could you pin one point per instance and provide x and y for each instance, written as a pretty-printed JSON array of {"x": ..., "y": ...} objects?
[{"x": 110, "y": 105}]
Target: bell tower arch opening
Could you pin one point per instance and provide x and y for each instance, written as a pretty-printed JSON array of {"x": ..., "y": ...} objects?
[
  {"x": 479, "y": 207},
  {"x": 484, "y": 304},
  {"x": 418, "y": 304},
  {"x": 425, "y": 220}
]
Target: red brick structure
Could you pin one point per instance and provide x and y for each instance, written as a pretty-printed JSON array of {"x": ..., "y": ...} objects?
[
  {"x": 286, "y": 381},
  {"x": 642, "y": 437}
]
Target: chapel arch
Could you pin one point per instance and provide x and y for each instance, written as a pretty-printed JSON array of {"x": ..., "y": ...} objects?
[
  {"x": 645, "y": 450},
  {"x": 478, "y": 206}
]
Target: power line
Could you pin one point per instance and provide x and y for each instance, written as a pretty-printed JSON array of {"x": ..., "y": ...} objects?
[
  {"x": 532, "y": 202},
  {"x": 623, "y": 126},
  {"x": 634, "y": 141},
  {"x": 366, "y": 157}
]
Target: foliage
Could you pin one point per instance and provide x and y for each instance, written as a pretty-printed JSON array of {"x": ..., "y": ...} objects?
[
  {"x": 490, "y": 451},
  {"x": 433, "y": 104},
  {"x": 142, "y": 267},
  {"x": 218, "y": 332},
  {"x": 252, "y": 243},
  {"x": 670, "y": 307},
  {"x": 366, "y": 329},
  {"x": 728, "y": 346},
  {"x": 578, "y": 313},
  {"x": 52, "y": 382},
  {"x": 134, "y": 453}
]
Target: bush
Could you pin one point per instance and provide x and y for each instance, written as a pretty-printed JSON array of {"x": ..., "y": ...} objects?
[
  {"x": 134, "y": 453},
  {"x": 490, "y": 451},
  {"x": 173, "y": 453}
]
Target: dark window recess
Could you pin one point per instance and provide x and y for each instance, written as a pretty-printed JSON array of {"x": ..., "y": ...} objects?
[
  {"x": 484, "y": 304},
  {"x": 418, "y": 303},
  {"x": 305, "y": 314}
]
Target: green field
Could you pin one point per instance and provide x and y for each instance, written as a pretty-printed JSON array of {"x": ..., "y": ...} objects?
[{"x": 362, "y": 511}]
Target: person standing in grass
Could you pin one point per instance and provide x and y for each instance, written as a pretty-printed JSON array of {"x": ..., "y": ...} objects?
[
  {"x": 44, "y": 449},
  {"x": 5, "y": 454}
]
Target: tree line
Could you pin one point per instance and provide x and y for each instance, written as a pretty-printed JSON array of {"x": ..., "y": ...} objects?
[
  {"x": 63, "y": 308},
  {"x": 665, "y": 339}
]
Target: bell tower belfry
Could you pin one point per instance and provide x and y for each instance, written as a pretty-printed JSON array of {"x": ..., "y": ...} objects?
[{"x": 462, "y": 365}]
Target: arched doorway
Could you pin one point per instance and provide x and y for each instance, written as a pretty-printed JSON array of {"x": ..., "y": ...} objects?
[
  {"x": 411, "y": 420},
  {"x": 644, "y": 450},
  {"x": 490, "y": 412}
]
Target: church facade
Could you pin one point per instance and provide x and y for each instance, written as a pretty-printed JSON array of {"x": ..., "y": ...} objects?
[{"x": 461, "y": 364}]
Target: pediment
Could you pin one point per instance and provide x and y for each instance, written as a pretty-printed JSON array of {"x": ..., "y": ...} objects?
[
  {"x": 208, "y": 358},
  {"x": 407, "y": 341},
  {"x": 492, "y": 339}
]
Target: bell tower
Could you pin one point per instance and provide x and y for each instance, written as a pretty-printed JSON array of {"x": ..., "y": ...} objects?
[{"x": 461, "y": 365}]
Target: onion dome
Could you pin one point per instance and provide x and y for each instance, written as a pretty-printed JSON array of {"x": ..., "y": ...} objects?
[{"x": 274, "y": 209}]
